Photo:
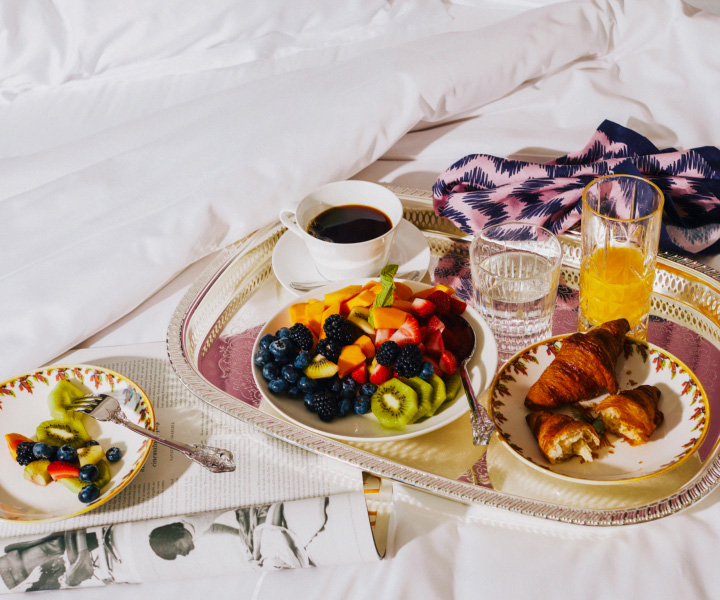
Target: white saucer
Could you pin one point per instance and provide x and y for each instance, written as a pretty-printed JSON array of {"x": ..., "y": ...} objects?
[{"x": 291, "y": 260}]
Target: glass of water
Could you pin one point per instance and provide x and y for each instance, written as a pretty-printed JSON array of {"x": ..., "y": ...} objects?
[{"x": 515, "y": 271}]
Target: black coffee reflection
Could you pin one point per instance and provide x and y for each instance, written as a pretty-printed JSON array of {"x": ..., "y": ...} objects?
[{"x": 350, "y": 224}]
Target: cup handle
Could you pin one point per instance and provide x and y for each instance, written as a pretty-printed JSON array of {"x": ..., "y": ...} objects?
[{"x": 287, "y": 218}]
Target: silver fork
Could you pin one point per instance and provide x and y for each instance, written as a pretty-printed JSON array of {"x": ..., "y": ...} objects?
[{"x": 103, "y": 407}]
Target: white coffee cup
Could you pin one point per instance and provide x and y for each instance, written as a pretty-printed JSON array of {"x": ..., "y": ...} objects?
[{"x": 346, "y": 261}]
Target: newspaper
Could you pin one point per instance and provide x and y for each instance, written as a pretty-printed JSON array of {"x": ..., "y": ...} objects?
[{"x": 281, "y": 508}]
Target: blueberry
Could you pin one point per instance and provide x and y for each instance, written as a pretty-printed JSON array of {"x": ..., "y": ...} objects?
[
  {"x": 271, "y": 371},
  {"x": 91, "y": 443},
  {"x": 262, "y": 357},
  {"x": 290, "y": 374},
  {"x": 281, "y": 347},
  {"x": 294, "y": 392},
  {"x": 344, "y": 407},
  {"x": 368, "y": 389},
  {"x": 309, "y": 401},
  {"x": 334, "y": 385},
  {"x": 89, "y": 493},
  {"x": 302, "y": 360},
  {"x": 283, "y": 360},
  {"x": 266, "y": 340},
  {"x": 349, "y": 394},
  {"x": 88, "y": 473},
  {"x": 349, "y": 383},
  {"x": 48, "y": 451},
  {"x": 306, "y": 384},
  {"x": 113, "y": 454},
  {"x": 427, "y": 370},
  {"x": 278, "y": 386},
  {"x": 67, "y": 453},
  {"x": 362, "y": 404},
  {"x": 283, "y": 332}
]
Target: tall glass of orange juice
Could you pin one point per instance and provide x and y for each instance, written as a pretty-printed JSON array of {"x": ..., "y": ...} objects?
[{"x": 621, "y": 216}]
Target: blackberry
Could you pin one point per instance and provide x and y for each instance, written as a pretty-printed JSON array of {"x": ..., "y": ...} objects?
[
  {"x": 330, "y": 349},
  {"x": 387, "y": 353},
  {"x": 339, "y": 328},
  {"x": 326, "y": 406},
  {"x": 302, "y": 336},
  {"x": 25, "y": 454},
  {"x": 409, "y": 361}
]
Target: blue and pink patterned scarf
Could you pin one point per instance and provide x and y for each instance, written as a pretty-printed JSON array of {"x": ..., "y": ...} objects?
[{"x": 480, "y": 190}]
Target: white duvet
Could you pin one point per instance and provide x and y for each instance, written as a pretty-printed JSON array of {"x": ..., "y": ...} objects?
[{"x": 138, "y": 137}]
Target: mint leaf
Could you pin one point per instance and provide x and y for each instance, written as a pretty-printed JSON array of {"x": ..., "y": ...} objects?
[{"x": 385, "y": 297}]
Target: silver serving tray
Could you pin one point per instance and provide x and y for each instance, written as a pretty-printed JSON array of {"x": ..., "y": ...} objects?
[{"x": 686, "y": 303}]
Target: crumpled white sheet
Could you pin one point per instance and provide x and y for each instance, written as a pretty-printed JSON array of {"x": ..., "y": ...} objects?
[{"x": 133, "y": 144}]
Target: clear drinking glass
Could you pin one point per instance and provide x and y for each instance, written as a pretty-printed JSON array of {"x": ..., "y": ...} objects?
[
  {"x": 621, "y": 216},
  {"x": 515, "y": 270}
]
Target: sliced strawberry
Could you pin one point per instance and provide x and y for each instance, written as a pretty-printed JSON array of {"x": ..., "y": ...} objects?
[
  {"x": 382, "y": 336},
  {"x": 409, "y": 332},
  {"x": 448, "y": 362},
  {"x": 422, "y": 347},
  {"x": 380, "y": 374},
  {"x": 60, "y": 469},
  {"x": 441, "y": 301},
  {"x": 457, "y": 305},
  {"x": 360, "y": 374},
  {"x": 434, "y": 324},
  {"x": 422, "y": 308},
  {"x": 435, "y": 345}
]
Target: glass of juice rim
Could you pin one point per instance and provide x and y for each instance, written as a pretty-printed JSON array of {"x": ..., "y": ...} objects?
[{"x": 621, "y": 222}]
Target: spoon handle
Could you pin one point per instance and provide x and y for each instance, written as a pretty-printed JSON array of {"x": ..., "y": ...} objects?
[{"x": 482, "y": 425}]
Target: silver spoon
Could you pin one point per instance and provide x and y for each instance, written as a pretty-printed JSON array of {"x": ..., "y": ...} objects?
[
  {"x": 306, "y": 286},
  {"x": 482, "y": 425}
]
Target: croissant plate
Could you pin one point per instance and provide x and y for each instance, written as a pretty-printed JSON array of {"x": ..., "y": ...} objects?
[
  {"x": 561, "y": 437},
  {"x": 583, "y": 367},
  {"x": 632, "y": 414}
]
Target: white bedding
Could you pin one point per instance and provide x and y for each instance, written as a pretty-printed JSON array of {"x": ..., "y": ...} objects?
[{"x": 138, "y": 138}]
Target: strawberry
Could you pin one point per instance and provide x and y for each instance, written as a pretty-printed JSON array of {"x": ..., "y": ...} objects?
[
  {"x": 441, "y": 301},
  {"x": 457, "y": 305},
  {"x": 450, "y": 340},
  {"x": 60, "y": 469},
  {"x": 435, "y": 346},
  {"x": 359, "y": 374},
  {"x": 422, "y": 308},
  {"x": 434, "y": 324},
  {"x": 380, "y": 374},
  {"x": 382, "y": 336},
  {"x": 409, "y": 332},
  {"x": 448, "y": 362},
  {"x": 423, "y": 332}
]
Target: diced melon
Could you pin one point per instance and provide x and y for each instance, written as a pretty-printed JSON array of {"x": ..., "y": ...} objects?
[
  {"x": 297, "y": 313},
  {"x": 350, "y": 357},
  {"x": 341, "y": 295},
  {"x": 364, "y": 299},
  {"x": 366, "y": 345},
  {"x": 388, "y": 317}
]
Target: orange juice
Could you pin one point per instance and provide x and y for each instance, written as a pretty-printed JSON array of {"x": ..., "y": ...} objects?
[{"x": 614, "y": 284}]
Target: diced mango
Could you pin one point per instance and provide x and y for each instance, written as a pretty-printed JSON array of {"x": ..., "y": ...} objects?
[
  {"x": 370, "y": 284},
  {"x": 402, "y": 305},
  {"x": 340, "y": 296},
  {"x": 377, "y": 288},
  {"x": 388, "y": 317},
  {"x": 313, "y": 314},
  {"x": 364, "y": 299},
  {"x": 333, "y": 309},
  {"x": 297, "y": 313},
  {"x": 350, "y": 357},
  {"x": 366, "y": 345},
  {"x": 403, "y": 290},
  {"x": 439, "y": 287}
]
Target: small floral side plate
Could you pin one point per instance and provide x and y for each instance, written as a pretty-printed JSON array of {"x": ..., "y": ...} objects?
[
  {"x": 683, "y": 403},
  {"x": 23, "y": 406}
]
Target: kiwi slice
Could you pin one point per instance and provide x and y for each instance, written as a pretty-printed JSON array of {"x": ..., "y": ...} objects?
[
  {"x": 37, "y": 472},
  {"x": 424, "y": 393},
  {"x": 90, "y": 455},
  {"x": 359, "y": 316},
  {"x": 75, "y": 485},
  {"x": 439, "y": 394},
  {"x": 61, "y": 398},
  {"x": 320, "y": 368},
  {"x": 394, "y": 404},
  {"x": 61, "y": 432},
  {"x": 453, "y": 385}
]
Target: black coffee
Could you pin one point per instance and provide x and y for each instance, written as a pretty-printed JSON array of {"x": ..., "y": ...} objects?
[{"x": 349, "y": 224}]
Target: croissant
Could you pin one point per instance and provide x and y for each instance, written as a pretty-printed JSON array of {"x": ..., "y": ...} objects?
[
  {"x": 561, "y": 437},
  {"x": 583, "y": 367},
  {"x": 632, "y": 414}
]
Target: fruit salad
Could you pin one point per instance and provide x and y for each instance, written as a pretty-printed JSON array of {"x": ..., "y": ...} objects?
[
  {"x": 62, "y": 449},
  {"x": 376, "y": 348}
]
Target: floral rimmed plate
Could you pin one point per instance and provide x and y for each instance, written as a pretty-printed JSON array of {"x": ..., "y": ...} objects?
[
  {"x": 366, "y": 428},
  {"x": 23, "y": 405},
  {"x": 683, "y": 403}
]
